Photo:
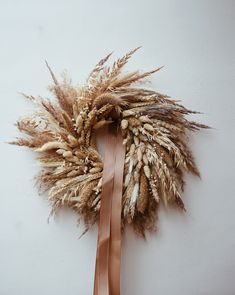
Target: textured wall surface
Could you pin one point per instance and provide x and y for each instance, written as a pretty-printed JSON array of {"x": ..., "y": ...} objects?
[{"x": 191, "y": 253}]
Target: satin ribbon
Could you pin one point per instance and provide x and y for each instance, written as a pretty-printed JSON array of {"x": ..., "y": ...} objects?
[{"x": 108, "y": 255}]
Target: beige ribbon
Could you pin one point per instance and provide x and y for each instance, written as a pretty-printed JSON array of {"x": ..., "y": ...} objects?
[{"x": 108, "y": 255}]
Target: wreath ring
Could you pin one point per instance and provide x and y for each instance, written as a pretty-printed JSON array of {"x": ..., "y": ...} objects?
[{"x": 154, "y": 130}]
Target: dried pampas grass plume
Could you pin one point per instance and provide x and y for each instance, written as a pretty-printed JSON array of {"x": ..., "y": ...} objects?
[{"x": 154, "y": 128}]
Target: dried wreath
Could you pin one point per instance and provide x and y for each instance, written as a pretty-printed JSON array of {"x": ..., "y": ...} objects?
[{"x": 153, "y": 129}]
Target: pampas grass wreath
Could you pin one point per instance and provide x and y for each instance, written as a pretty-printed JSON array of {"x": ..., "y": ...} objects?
[{"x": 155, "y": 134}]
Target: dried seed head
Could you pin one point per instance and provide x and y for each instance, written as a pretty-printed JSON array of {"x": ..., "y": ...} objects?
[
  {"x": 95, "y": 170},
  {"x": 154, "y": 190},
  {"x": 145, "y": 119},
  {"x": 99, "y": 183},
  {"x": 148, "y": 127},
  {"x": 145, "y": 159},
  {"x": 134, "y": 197},
  {"x": 136, "y": 176},
  {"x": 134, "y": 122},
  {"x": 128, "y": 113},
  {"x": 139, "y": 154},
  {"x": 147, "y": 171},
  {"x": 132, "y": 149},
  {"x": 79, "y": 121},
  {"x": 124, "y": 124},
  {"x": 136, "y": 140},
  {"x": 51, "y": 145},
  {"x": 143, "y": 195},
  {"x": 73, "y": 173},
  {"x": 60, "y": 151},
  {"x": 67, "y": 154},
  {"x": 72, "y": 141}
]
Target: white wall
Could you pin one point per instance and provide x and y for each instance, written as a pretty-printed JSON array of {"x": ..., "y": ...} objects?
[{"x": 191, "y": 253}]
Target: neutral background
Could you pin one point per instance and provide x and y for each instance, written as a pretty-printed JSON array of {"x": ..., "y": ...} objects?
[{"x": 191, "y": 253}]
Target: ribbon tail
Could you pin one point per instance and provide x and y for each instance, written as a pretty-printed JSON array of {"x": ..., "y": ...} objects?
[
  {"x": 108, "y": 255},
  {"x": 115, "y": 243}
]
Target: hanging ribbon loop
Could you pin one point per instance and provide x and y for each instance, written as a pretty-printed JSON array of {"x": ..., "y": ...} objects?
[{"x": 108, "y": 256}]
